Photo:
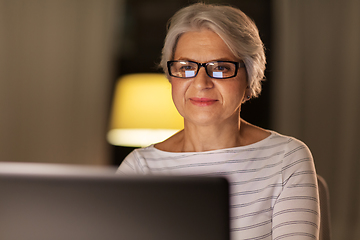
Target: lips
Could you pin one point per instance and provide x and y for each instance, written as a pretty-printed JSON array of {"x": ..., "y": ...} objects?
[{"x": 202, "y": 101}]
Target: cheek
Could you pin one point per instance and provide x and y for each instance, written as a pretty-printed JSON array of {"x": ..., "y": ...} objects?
[
  {"x": 178, "y": 90},
  {"x": 234, "y": 93},
  {"x": 240, "y": 87}
]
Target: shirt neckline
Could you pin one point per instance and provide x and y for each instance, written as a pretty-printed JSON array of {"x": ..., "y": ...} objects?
[{"x": 252, "y": 145}]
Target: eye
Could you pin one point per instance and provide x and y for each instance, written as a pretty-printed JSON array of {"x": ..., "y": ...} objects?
[
  {"x": 187, "y": 67},
  {"x": 222, "y": 67}
]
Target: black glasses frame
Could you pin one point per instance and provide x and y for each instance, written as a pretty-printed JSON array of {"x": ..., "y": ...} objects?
[{"x": 237, "y": 66}]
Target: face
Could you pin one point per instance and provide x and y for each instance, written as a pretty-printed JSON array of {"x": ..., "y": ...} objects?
[{"x": 203, "y": 100}]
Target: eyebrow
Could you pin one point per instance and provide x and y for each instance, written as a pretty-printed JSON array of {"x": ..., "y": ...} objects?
[{"x": 214, "y": 60}]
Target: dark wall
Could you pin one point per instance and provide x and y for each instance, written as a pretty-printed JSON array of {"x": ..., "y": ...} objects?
[{"x": 144, "y": 34}]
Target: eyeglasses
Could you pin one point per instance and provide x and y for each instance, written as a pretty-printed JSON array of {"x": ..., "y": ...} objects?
[{"x": 216, "y": 69}]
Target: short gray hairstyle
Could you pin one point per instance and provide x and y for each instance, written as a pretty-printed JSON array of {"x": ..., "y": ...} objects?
[{"x": 236, "y": 29}]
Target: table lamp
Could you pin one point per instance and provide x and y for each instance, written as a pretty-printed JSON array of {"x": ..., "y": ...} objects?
[{"x": 143, "y": 112}]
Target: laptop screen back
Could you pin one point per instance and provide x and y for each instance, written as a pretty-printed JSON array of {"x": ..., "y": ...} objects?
[{"x": 61, "y": 203}]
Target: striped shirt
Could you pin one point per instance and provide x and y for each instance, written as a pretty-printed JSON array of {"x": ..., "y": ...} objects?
[{"x": 273, "y": 184}]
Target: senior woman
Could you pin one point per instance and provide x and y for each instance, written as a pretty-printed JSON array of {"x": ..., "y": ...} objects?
[{"x": 214, "y": 59}]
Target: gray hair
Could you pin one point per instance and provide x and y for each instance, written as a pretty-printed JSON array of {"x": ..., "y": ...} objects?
[{"x": 236, "y": 29}]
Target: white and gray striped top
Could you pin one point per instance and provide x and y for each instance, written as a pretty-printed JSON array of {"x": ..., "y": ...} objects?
[{"x": 273, "y": 184}]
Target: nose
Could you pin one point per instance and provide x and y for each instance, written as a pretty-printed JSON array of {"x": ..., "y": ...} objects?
[{"x": 202, "y": 80}]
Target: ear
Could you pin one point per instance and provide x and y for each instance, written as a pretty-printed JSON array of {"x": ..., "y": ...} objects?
[{"x": 247, "y": 95}]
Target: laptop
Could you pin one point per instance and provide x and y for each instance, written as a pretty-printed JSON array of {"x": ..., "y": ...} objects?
[{"x": 65, "y": 202}]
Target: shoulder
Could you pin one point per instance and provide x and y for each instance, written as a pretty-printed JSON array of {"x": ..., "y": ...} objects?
[
  {"x": 292, "y": 151},
  {"x": 134, "y": 162},
  {"x": 297, "y": 157},
  {"x": 292, "y": 146}
]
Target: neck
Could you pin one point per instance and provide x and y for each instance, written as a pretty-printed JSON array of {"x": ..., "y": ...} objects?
[{"x": 205, "y": 138}]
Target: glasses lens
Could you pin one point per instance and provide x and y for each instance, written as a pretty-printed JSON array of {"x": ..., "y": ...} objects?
[
  {"x": 188, "y": 69},
  {"x": 221, "y": 69},
  {"x": 183, "y": 69}
]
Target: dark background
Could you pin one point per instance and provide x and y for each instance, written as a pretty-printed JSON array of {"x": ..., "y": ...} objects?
[{"x": 144, "y": 34}]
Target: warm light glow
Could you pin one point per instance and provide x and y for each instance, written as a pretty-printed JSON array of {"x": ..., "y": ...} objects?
[{"x": 143, "y": 112}]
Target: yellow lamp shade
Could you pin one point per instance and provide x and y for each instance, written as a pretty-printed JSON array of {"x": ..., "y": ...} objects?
[{"x": 143, "y": 111}]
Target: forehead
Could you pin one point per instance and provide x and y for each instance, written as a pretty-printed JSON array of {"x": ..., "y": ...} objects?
[{"x": 202, "y": 46}]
